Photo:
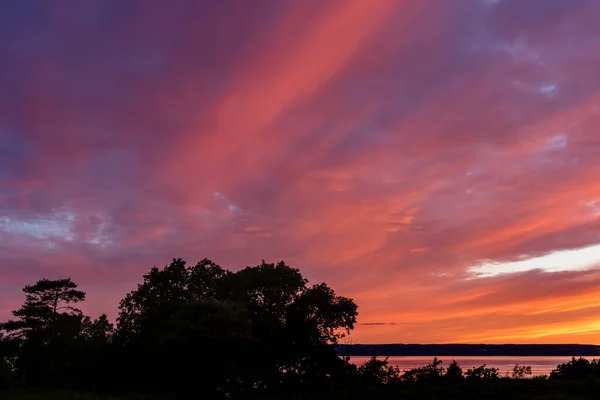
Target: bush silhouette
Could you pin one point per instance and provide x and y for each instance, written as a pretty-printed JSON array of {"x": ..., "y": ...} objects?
[
  {"x": 482, "y": 372},
  {"x": 575, "y": 369},
  {"x": 430, "y": 373},
  {"x": 521, "y": 371},
  {"x": 376, "y": 371},
  {"x": 454, "y": 372}
]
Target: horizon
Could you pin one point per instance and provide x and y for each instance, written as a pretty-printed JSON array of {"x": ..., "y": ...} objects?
[{"x": 437, "y": 162}]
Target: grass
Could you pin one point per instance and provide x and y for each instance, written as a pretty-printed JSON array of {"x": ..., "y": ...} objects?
[{"x": 501, "y": 389}]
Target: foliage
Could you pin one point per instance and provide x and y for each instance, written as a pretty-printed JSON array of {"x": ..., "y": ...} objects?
[
  {"x": 259, "y": 327},
  {"x": 576, "y": 368},
  {"x": 430, "y": 373},
  {"x": 454, "y": 372},
  {"x": 48, "y": 312},
  {"x": 521, "y": 371},
  {"x": 376, "y": 371},
  {"x": 482, "y": 372},
  {"x": 142, "y": 312},
  {"x": 98, "y": 331}
]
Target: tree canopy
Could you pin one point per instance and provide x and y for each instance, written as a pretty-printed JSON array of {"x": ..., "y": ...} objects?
[
  {"x": 266, "y": 313},
  {"x": 48, "y": 311},
  {"x": 262, "y": 329}
]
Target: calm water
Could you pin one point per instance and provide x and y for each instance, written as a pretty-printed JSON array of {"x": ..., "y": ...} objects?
[{"x": 539, "y": 365}]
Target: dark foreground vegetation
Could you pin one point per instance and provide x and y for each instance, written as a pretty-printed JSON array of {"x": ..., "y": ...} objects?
[{"x": 204, "y": 332}]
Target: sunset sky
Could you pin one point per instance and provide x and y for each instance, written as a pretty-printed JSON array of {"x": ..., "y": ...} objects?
[{"x": 437, "y": 161}]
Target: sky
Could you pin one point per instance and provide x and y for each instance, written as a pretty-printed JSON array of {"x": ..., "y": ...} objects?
[{"x": 436, "y": 161}]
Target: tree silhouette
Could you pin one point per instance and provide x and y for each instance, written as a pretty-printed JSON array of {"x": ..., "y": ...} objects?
[
  {"x": 277, "y": 326},
  {"x": 376, "y": 371},
  {"x": 46, "y": 329},
  {"x": 149, "y": 314},
  {"x": 454, "y": 372},
  {"x": 576, "y": 368},
  {"x": 48, "y": 311},
  {"x": 162, "y": 291},
  {"x": 99, "y": 330}
]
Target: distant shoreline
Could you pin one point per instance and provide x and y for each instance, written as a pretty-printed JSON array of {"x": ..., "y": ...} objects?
[{"x": 464, "y": 350}]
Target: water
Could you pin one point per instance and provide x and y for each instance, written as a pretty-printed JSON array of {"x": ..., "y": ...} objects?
[{"x": 539, "y": 365}]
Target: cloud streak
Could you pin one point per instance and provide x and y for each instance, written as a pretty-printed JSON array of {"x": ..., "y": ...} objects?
[{"x": 385, "y": 147}]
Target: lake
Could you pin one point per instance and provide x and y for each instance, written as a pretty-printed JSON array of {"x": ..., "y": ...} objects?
[{"x": 539, "y": 365}]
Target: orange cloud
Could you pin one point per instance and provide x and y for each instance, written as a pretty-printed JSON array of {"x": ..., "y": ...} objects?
[{"x": 385, "y": 147}]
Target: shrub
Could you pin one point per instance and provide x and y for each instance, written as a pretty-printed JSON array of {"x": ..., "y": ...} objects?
[
  {"x": 379, "y": 371},
  {"x": 427, "y": 374},
  {"x": 577, "y": 368},
  {"x": 520, "y": 371},
  {"x": 482, "y": 372},
  {"x": 454, "y": 372}
]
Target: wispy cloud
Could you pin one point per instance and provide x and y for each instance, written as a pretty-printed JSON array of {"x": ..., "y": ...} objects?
[{"x": 567, "y": 260}]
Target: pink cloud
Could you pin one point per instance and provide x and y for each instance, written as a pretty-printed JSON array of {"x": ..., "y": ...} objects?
[{"x": 384, "y": 147}]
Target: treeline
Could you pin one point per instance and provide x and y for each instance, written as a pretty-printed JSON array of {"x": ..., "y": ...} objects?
[
  {"x": 185, "y": 330},
  {"x": 379, "y": 371},
  {"x": 202, "y": 331}
]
